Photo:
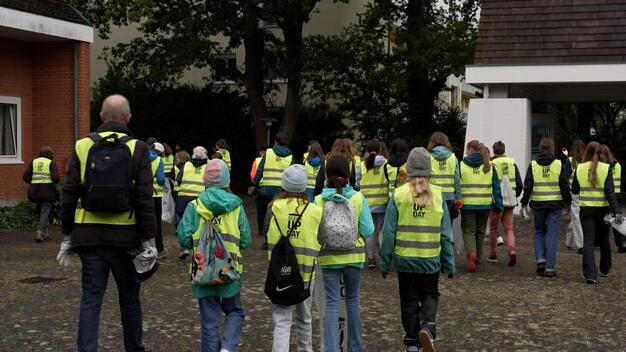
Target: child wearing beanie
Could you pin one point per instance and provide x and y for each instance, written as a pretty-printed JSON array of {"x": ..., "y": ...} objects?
[
  {"x": 417, "y": 236},
  {"x": 291, "y": 214},
  {"x": 218, "y": 205}
]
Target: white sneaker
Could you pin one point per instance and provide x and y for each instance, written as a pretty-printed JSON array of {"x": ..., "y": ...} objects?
[{"x": 500, "y": 241}]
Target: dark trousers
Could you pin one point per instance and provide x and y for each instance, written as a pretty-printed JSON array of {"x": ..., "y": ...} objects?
[
  {"x": 42, "y": 209},
  {"x": 263, "y": 202},
  {"x": 97, "y": 263},
  {"x": 592, "y": 221},
  {"x": 419, "y": 298},
  {"x": 158, "y": 210}
]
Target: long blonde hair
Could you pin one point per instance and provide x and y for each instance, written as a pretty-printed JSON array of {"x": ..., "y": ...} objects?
[
  {"x": 592, "y": 154},
  {"x": 422, "y": 194}
]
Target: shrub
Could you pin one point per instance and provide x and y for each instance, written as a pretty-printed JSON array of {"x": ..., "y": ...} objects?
[{"x": 19, "y": 216}]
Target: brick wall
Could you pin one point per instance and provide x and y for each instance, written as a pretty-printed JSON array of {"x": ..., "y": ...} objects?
[{"x": 42, "y": 74}]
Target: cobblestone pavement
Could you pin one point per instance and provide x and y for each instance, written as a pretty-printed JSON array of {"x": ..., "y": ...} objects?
[{"x": 497, "y": 309}]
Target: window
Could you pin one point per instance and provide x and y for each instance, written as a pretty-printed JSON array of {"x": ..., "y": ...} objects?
[
  {"x": 223, "y": 66},
  {"x": 10, "y": 130}
]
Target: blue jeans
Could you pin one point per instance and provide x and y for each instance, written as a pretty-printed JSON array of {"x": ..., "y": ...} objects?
[
  {"x": 332, "y": 282},
  {"x": 210, "y": 314},
  {"x": 547, "y": 228},
  {"x": 97, "y": 262}
]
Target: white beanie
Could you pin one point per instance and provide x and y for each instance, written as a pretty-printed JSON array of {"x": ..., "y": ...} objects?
[
  {"x": 159, "y": 147},
  {"x": 200, "y": 152},
  {"x": 294, "y": 179}
]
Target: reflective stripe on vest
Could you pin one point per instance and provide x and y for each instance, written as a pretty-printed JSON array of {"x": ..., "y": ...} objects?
[
  {"x": 353, "y": 256},
  {"x": 273, "y": 168},
  {"x": 168, "y": 164},
  {"x": 442, "y": 173},
  {"x": 419, "y": 228},
  {"x": 41, "y": 171},
  {"x": 617, "y": 177},
  {"x": 311, "y": 172},
  {"x": 374, "y": 185},
  {"x": 546, "y": 181},
  {"x": 303, "y": 236},
  {"x": 191, "y": 185},
  {"x": 176, "y": 185},
  {"x": 506, "y": 168},
  {"x": 476, "y": 185},
  {"x": 82, "y": 216},
  {"x": 397, "y": 177},
  {"x": 228, "y": 226},
  {"x": 225, "y": 156},
  {"x": 591, "y": 196},
  {"x": 158, "y": 189}
]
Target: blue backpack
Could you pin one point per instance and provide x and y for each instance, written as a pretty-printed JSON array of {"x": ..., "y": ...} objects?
[
  {"x": 211, "y": 262},
  {"x": 108, "y": 185}
]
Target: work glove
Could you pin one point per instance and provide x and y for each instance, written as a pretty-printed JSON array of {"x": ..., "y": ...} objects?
[
  {"x": 65, "y": 252},
  {"x": 525, "y": 213}
]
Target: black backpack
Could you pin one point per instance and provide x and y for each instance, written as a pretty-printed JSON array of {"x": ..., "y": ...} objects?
[
  {"x": 108, "y": 184},
  {"x": 284, "y": 285}
]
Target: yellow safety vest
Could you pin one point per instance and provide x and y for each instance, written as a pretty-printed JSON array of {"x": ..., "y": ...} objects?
[
  {"x": 592, "y": 196},
  {"x": 41, "y": 171},
  {"x": 176, "y": 185},
  {"x": 303, "y": 236},
  {"x": 191, "y": 185},
  {"x": 419, "y": 228},
  {"x": 396, "y": 177},
  {"x": 546, "y": 181},
  {"x": 340, "y": 257},
  {"x": 374, "y": 185},
  {"x": 274, "y": 167},
  {"x": 571, "y": 176},
  {"x": 158, "y": 189},
  {"x": 476, "y": 185},
  {"x": 506, "y": 168},
  {"x": 312, "y": 172},
  {"x": 168, "y": 164},
  {"x": 443, "y": 172},
  {"x": 617, "y": 177},
  {"x": 82, "y": 216},
  {"x": 228, "y": 226},
  {"x": 225, "y": 156}
]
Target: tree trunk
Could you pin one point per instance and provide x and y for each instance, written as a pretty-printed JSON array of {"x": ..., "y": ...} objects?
[
  {"x": 293, "y": 45},
  {"x": 253, "y": 43}
]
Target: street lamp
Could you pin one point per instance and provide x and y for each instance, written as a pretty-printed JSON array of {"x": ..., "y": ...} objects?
[{"x": 268, "y": 123}]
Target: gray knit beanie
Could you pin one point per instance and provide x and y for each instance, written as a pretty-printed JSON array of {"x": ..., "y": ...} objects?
[
  {"x": 294, "y": 179},
  {"x": 418, "y": 163}
]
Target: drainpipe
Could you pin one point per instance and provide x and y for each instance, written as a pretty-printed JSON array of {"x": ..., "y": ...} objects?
[{"x": 76, "y": 46}]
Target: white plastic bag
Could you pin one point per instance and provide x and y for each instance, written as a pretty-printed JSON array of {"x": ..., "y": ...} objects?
[
  {"x": 509, "y": 200},
  {"x": 617, "y": 223},
  {"x": 168, "y": 204}
]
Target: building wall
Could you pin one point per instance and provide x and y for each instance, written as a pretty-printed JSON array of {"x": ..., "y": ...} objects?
[{"x": 42, "y": 75}]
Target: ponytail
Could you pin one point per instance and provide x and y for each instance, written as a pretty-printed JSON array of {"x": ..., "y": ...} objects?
[
  {"x": 372, "y": 148},
  {"x": 486, "y": 159},
  {"x": 592, "y": 155},
  {"x": 422, "y": 193}
]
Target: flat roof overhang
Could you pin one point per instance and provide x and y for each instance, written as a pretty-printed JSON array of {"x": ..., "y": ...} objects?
[{"x": 30, "y": 27}]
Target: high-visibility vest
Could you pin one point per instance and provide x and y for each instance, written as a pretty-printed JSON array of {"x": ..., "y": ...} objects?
[
  {"x": 228, "y": 226},
  {"x": 476, "y": 185},
  {"x": 342, "y": 257},
  {"x": 168, "y": 163},
  {"x": 443, "y": 172},
  {"x": 255, "y": 165},
  {"x": 506, "y": 168},
  {"x": 374, "y": 185},
  {"x": 158, "y": 189},
  {"x": 546, "y": 181},
  {"x": 311, "y": 172},
  {"x": 571, "y": 176},
  {"x": 302, "y": 234},
  {"x": 176, "y": 185},
  {"x": 274, "y": 167},
  {"x": 192, "y": 184},
  {"x": 41, "y": 171},
  {"x": 396, "y": 176},
  {"x": 82, "y": 216},
  {"x": 419, "y": 228},
  {"x": 225, "y": 156},
  {"x": 617, "y": 177},
  {"x": 591, "y": 196}
]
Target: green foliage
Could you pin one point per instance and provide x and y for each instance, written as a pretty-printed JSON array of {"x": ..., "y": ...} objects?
[{"x": 19, "y": 216}]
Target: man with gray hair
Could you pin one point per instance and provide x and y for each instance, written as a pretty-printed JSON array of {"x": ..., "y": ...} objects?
[{"x": 107, "y": 213}]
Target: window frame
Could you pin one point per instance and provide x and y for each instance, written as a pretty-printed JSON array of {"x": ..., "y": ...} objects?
[{"x": 17, "y": 158}]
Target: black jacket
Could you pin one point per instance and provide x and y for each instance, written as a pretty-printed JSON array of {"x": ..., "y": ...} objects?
[
  {"x": 111, "y": 235},
  {"x": 544, "y": 160},
  {"x": 42, "y": 191},
  {"x": 609, "y": 193}
]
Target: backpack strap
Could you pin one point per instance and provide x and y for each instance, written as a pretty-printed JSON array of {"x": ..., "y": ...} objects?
[
  {"x": 125, "y": 139},
  {"x": 297, "y": 220},
  {"x": 386, "y": 172},
  {"x": 95, "y": 137}
]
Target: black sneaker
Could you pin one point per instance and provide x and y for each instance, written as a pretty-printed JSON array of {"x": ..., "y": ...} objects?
[
  {"x": 579, "y": 251},
  {"x": 551, "y": 273},
  {"x": 541, "y": 268},
  {"x": 590, "y": 281},
  {"x": 371, "y": 263},
  {"x": 604, "y": 274}
]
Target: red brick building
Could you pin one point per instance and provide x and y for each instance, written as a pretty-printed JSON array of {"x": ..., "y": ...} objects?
[{"x": 44, "y": 85}]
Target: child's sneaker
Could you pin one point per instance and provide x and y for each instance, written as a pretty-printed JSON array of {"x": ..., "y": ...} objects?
[
  {"x": 39, "y": 237},
  {"x": 590, "y": 281},
  {"x": 549, "y": 273},
  {"x": 427, "y": 341},
  {"x": 371, "y": 263},
  {"x": 512, "y": 258},
  {"x": 500, "y": 241},
  {"x": 492, "y": 258},
  {"x": 184, "y": 254},
  {"x": 471, "y": 263},
  {"x": 541, "y": 268},
  {"x": 412, "y": 349}
]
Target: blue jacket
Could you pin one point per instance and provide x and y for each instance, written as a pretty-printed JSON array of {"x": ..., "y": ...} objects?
[
  {"x": 441, "y": 153},
  {"x": 160, "y": 173},
  {"x": 476, "y": 160},
  {"x": 416, "y": 265},
  {"x": 270, "y": 191}
]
